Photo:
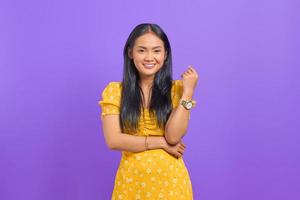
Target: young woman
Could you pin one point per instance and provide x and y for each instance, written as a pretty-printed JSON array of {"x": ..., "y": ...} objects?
[{"x": 145, "y": 116}]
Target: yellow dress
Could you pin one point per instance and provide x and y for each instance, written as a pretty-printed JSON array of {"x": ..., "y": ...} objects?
[{"x": 152, "y": 174}]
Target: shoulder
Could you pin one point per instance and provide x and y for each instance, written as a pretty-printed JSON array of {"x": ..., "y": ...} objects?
[
  {"x": 113, "y": 86},
  {"x": 111, "y": 95},
  {"x": 177, "y": 83},
  {"x": 176, "y": 92},
  {"x": 177, "y": 86},
  {"x": 112, "y": 89}
]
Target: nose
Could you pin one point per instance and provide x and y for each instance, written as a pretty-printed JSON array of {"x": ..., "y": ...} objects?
[{"x": 149, "y": 56}]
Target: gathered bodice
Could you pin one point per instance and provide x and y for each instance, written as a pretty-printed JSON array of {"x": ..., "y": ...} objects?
[{"x": 147, "y": 125}]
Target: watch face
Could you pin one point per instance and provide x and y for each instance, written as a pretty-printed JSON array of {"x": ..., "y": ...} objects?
[{"x": 189, "y": 105}]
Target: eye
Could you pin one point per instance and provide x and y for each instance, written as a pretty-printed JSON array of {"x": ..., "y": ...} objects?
[
  {"x": 141, "y": 50},
  {"x": 157, "y": 51}
]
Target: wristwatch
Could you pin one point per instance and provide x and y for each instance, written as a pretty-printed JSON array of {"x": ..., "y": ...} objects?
[{"x": 187, "y": 104}]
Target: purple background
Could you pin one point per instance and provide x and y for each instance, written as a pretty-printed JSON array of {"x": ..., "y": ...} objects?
[{"x": 56, "y": 56}]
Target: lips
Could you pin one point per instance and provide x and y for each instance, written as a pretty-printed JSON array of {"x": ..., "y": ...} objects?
[{"x": 149, "y": 66}]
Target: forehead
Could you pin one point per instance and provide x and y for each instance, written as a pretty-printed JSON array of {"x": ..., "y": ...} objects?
[{"x": 148, "y": 40}]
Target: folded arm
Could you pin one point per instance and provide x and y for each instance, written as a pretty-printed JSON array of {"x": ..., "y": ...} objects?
[
  {"x": 177, "y": 124},
  {"x": 117, "y": 140}
]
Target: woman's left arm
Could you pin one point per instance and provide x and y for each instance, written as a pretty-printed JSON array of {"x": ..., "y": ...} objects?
[{"x": 177, "y": 123}]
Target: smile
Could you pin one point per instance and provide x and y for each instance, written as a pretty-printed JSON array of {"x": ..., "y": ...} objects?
[{"x": 149, "y": 66}]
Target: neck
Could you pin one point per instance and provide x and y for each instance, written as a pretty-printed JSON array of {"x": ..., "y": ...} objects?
[{"x": 146, "y": 82}]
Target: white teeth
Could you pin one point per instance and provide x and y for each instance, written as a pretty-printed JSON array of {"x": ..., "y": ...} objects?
[{"x": 149, "y": 65}]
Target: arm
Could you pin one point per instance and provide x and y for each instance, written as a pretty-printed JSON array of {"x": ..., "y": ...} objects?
[
  {"x": 177, "y": 123},
  {"x": 124, "y": 142},
  {"x": 117, "y": 140}
]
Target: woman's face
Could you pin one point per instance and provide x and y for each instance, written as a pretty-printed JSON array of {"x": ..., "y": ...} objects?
[{"x": 148, "y": 54}]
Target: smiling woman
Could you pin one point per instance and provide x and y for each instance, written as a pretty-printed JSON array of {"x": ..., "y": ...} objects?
[
  {"x": 149, "y": 54},
  {"x": 145, "y": 116}
]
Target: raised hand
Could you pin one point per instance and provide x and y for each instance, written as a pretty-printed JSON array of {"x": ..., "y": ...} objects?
[{"x": 189, "y": 80}]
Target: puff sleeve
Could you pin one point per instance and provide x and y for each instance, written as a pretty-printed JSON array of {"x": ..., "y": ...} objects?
[
  {"x": 111, "y": 98},
  {"x": 176, "y": 92}
]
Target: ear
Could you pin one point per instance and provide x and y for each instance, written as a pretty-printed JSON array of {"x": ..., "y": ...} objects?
[
  {"x": 166, "y": 55},
  {"x": 130, "y": 53}
]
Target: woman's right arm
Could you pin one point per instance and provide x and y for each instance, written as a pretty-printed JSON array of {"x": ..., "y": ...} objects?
[{"x": 117, "y": 140}]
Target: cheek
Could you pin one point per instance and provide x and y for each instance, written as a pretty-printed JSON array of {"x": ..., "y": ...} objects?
[
  {"x": 137, "y": 60},
  {"x": 137, "y": 56},
  {"x": 161, "y": 58}
]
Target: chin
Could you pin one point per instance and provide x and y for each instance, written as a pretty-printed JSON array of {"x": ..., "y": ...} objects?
[{"x": 148, "y": 72}]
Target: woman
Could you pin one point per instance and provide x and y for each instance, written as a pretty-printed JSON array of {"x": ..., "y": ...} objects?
[{"x": 145, "y": 116}]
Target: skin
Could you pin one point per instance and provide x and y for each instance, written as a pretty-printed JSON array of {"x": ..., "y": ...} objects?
[
  {"x": 177, "y": 124},
  {"x": 149, "y": 49}
]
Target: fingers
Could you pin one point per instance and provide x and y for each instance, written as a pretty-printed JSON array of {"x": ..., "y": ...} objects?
[
  {"x": 187, "y": 73},
  {"x": 190, "y": 71},
  {"x": 181, "y": 151},
  {"x": 182, "y": 144},
  {"x": 181, "y": 148},
  {"x": 184, "y": 74},
  {"x": 177, "y": 154},
  {"x": 177, "y": 150}
]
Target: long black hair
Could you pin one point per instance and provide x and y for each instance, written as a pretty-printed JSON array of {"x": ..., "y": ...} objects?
[{"x": 131, "y": 99}]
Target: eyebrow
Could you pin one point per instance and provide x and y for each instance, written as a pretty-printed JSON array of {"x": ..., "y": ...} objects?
[{"x": 146, "y": 48}]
